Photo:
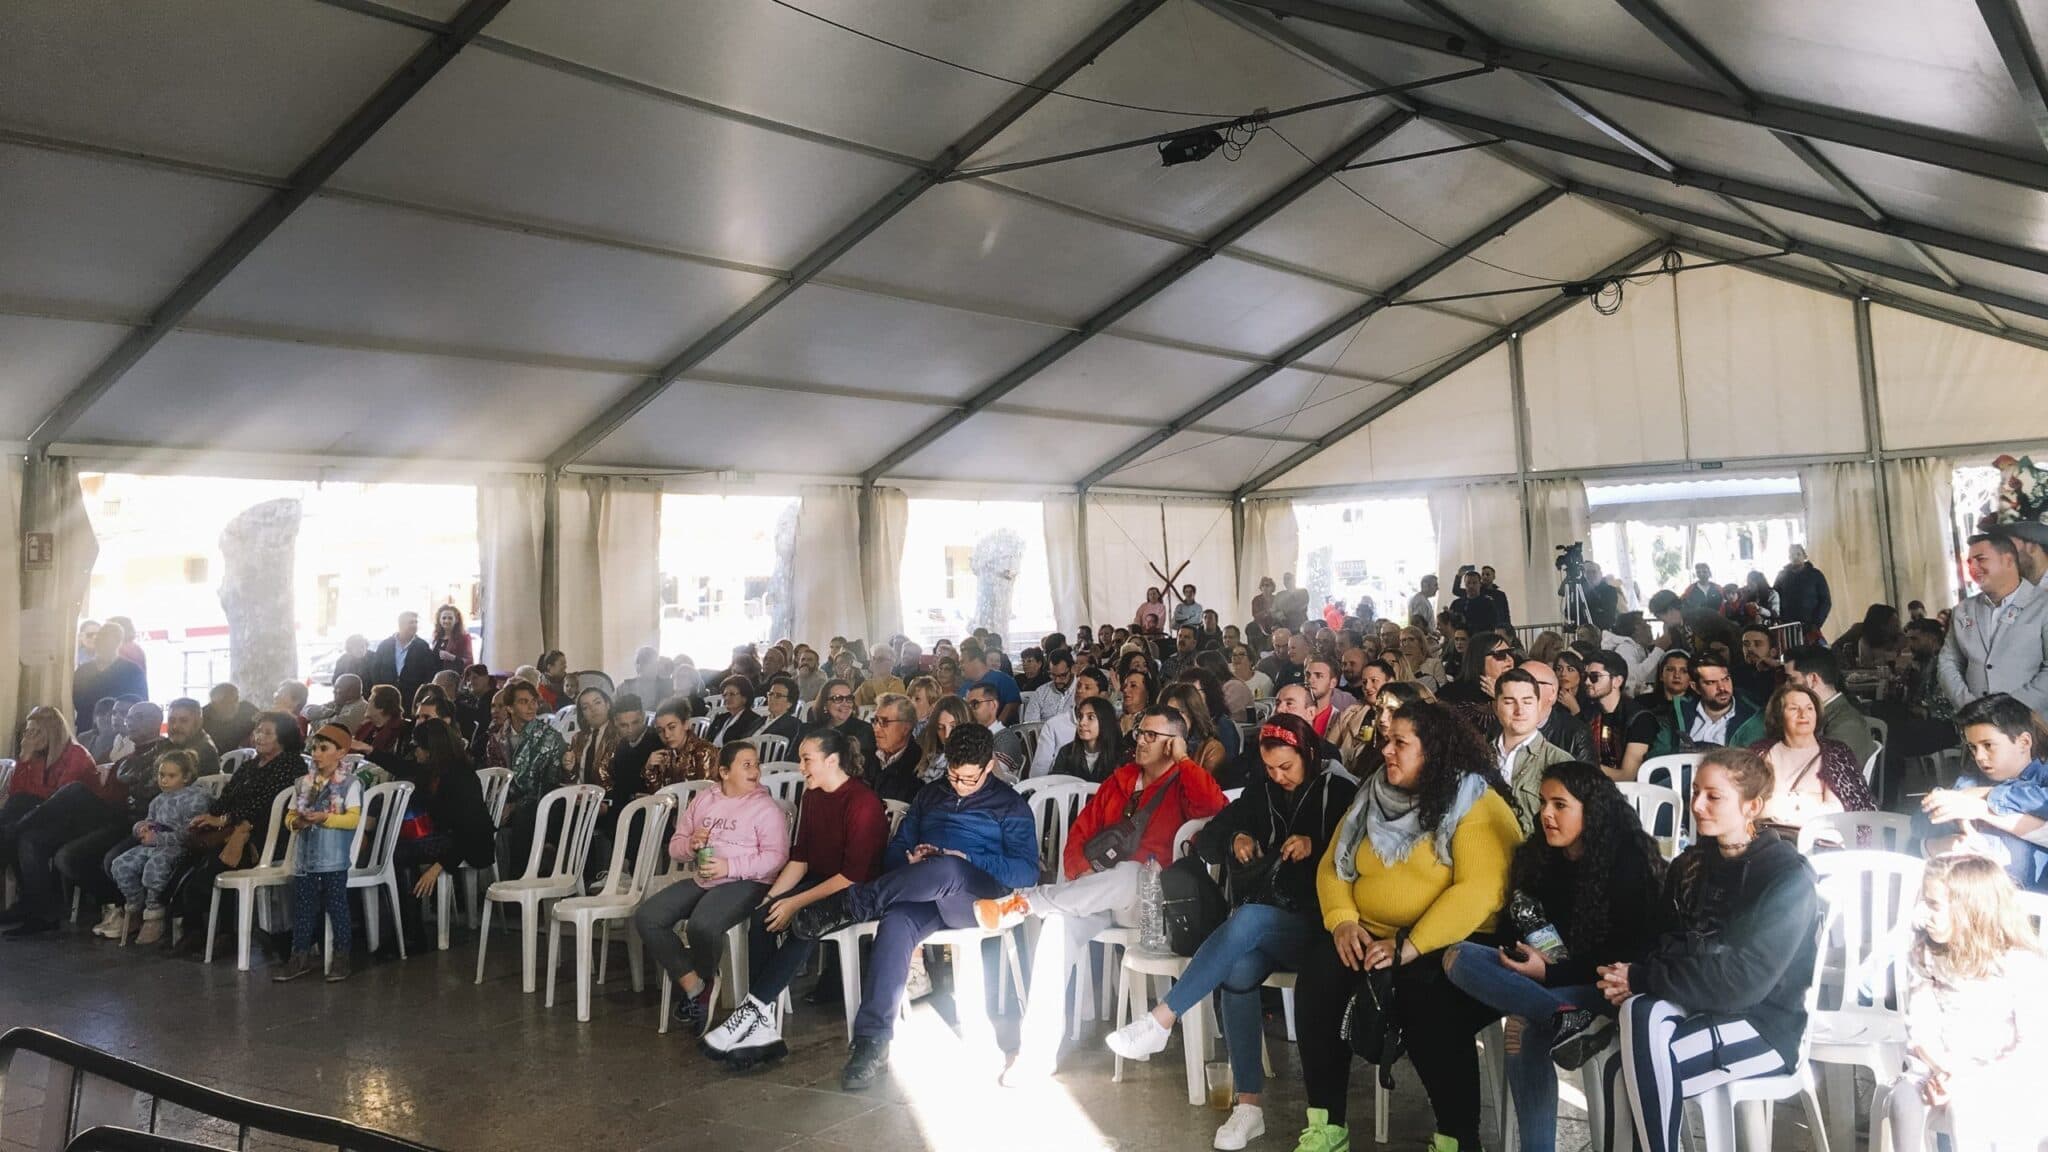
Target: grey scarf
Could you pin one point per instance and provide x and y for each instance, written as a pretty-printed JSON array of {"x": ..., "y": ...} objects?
[{"x": 1391, "y": 820}]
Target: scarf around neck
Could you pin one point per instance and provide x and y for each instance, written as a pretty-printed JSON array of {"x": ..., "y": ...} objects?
[{"x": 1390, "y": 819}]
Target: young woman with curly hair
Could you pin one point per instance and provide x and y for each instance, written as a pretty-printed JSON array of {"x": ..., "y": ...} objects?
[
  {"x": 1419, "y": 863},
  {"x": 1594, "y": 875}
]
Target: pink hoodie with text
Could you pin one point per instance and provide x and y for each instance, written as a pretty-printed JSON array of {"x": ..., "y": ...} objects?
[{"x": 749, "y": 833}]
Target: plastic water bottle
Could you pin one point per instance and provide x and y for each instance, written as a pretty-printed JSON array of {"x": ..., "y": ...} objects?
[
  {"x": 1151, "y": 910},
  {"x": 1538, "y": 933}
]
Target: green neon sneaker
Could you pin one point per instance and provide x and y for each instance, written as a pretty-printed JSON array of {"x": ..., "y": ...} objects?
[
  {"x": 1438, "y": 1142},
  {"x": 1323, "y": 1136}
]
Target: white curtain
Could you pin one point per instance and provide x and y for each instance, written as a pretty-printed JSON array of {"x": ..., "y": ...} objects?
[
  {"x": 1199, "y": 546},
  {"x": 1062, "y": 513},
  {"x": 1272, "y": 543},
  {"x": 888, "y": 518},
  {"x": 1922, "y": 494},
  {"x": 52, "y": 593},
  {"x": 1481, "y": 524},
  {"x": 1842, "y": 538},
  {"x": 609, "y": 581},
  {"x": 1938, "y": 384},
  {"x": 1557, "y": 516},
  {"x": 1134, "y": 543},
  {"x": 510, "y": 515},
  {"x": 10, "y": 596},
  {"x": 826, "y": 582}
]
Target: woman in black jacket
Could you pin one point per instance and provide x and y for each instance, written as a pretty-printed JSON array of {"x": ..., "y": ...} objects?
[
  {"x": 244, "y": 803},
  {"x": 1734, "y": 964},
  {"x": 1269, "y": 840},
  {"x": 1097, "y": 747},
  {"x": 1594, "y": 877},
  {"x": 448, "y": 823}
]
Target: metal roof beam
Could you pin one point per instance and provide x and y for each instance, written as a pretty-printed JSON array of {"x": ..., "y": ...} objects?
[
  {"x": 1153, "y": 285},
  {"x": 1323, "y": 335},
  {"x": 1523, "y": 323},
  {"x": 299, "y": 187},
  {"x": 2008, "y": 28},
  {"x": 1890, "y": 139},
  {"x": 841, "y": 242}
]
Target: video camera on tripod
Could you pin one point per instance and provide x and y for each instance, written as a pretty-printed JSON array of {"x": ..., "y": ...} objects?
[{"x": 1571, "y": 593}]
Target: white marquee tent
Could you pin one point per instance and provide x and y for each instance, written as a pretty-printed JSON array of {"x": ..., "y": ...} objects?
[{"x": 581, "y": 253}]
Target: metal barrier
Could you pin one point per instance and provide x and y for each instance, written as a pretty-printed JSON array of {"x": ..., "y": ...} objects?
[
  {"x": 1788, "y": 636},
  {"x": 95, "y": 1100},
  {"x": 1526, "y": 634}
]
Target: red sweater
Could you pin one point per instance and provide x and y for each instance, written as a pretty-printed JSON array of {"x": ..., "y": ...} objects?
[
  {"x": 842, "y": 833},
  {"x": 40, "y": 778},
  {"x": 1192, "y": 795}
]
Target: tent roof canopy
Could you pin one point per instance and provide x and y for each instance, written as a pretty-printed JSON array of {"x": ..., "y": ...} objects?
[{"x": 708, "y": 236}]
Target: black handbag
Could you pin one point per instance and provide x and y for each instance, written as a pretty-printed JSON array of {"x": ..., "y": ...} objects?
[
  {"x": 1191, "y": 904},
  {"x": 1370, "y": 1025},
  {"x": 1119, "y": 842}
]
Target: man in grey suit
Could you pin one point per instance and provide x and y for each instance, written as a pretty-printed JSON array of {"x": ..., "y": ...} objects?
[{"x": 1998, "y": 639}]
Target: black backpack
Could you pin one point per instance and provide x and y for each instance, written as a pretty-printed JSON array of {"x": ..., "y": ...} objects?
[
  {"x": 1191, "y": 903},
  {"x": 1369, "y": 1023}
]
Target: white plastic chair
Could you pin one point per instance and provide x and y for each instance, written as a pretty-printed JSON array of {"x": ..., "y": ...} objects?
[
  {"x": 1674, "y": 772},
  {"x": 1870, "y": 898},
  {"x": 6, "y": 775},
  {"x": 2035, "y": 906},
  {"x": 235, "y": 759},
  {"x": 1262, "y": 710},
  {"x": 212, "y": 785},
  {"x": 545, "y": 880},
  {"x": 1028, "y": 732},
  {"x": 667, "y": 871},
  {"x": 496, "y": 784},
  {"x": 374, "y": 854},
  {"x": 701, "y": 725},
  {"x": 783, "y": 785},
  {"x": 1880, "y": 831},
  {"x": 772, "y": 748},
  {"x": 273, "y": 869},
  {"x": 1166, "y": 966},
  {"x": 624, "y": 886},
  {"x": 1651, "y": 802},
  {"x": 1870, "y": 767}
]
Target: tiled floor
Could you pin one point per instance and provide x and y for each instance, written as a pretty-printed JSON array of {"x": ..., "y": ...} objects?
[{"x": 416, "y": 1049}]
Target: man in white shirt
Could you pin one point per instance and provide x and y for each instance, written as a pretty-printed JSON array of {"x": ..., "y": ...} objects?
[
  {"x": 1422, "y": 606},
  {"x": 1056, "y": 695},
  {"x": 1058, "y": 729}
]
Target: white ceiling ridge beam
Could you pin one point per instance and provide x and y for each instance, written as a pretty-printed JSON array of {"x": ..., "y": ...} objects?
[
  {"x": 1828, "y": 253},
  {"x": 1521, "y": 324},
  {"x": 1267, "y": 208},
  {"x": 1984, "y": 249},
  {"x": 1435, "y": 267},
  {"x": 335, "y": 151},
  {"x": 1903, "y": 141},
  {"x": 121, "y": 456},
  {"x": 2008, "y": 27},
  {"x": 877, "y": 214}
]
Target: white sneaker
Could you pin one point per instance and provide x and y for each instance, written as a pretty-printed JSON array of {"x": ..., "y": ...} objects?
[
  {"x": 1139, "y": 1039},
  {"x": 918, "y": 983},
  {"x": 113, "y": 918},
  {"x": 1247, "y": 1123},
  {"x": 751, "y": 1024}
]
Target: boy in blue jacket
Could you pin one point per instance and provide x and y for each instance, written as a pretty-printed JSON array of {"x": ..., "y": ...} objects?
[
  {"x": 967, "y": 837},
  {"x": 2006, "y": 799}
]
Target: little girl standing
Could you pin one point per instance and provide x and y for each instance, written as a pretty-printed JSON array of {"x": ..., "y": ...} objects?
[
  {"x": 1976, "y": 1023},
  {"x": 142, "y": 872},
  {"x": 326, "y": 806}
]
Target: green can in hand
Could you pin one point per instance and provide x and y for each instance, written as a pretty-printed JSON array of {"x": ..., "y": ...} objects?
[{"x": 703, "y": 857}]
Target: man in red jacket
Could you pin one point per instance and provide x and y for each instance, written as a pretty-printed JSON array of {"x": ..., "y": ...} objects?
[{"x": 1093, "y": 899}]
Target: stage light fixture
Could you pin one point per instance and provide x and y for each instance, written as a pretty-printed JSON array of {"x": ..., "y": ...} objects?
[{"x": 1189, "y": 147}]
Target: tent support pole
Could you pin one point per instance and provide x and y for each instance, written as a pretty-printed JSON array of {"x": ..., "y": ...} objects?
[
  {"x": 1873, "y": 447},
  {"x": 551, "y": 562},
  {"x": 1518, "y": 398}
]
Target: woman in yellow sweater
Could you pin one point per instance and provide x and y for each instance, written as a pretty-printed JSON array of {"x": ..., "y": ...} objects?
[{"x": 1419, "y": 863}]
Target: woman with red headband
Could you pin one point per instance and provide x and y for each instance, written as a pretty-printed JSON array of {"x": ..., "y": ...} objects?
[{"x": 1268, "y": 841}]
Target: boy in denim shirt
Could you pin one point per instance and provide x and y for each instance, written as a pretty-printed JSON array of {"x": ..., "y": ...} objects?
[
  {"x": 326, "y": 806},
  {"x": 2006, "y": 801}
]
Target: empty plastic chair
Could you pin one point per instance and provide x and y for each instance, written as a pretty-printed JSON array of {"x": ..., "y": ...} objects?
[
  {"x": 375, "y": 855},
  {"x": 645, "y": 823},
  {"x": 571, "y": 811}
]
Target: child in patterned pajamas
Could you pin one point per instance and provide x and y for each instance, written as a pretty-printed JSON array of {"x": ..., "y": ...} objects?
[{"x": 143, "y": 872}]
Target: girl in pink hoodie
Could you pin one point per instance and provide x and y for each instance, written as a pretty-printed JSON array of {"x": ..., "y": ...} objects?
[{"x": 743, "y": 835}]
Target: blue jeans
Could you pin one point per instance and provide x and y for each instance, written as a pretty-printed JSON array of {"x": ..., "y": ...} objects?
[
  {"x": 1532, "y": 1078},
  {"x": 1255, "y": 941}
]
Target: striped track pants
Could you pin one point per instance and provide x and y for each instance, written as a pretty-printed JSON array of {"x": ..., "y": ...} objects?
[{"x": 1669, "y": 1056}]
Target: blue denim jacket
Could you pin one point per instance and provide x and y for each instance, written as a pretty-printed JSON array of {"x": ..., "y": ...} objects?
[
  {"x": 2026, "y": 792},
  {"x": 322, "y": 849}
]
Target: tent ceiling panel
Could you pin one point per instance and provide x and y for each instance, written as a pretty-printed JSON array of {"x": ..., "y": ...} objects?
[
  {"x": 856, "y": 340},
  {"x": 364, "y": 270},
  {"x": 1240, "y": 306},
  {"x": 496, "y": 135},
  {"x": 1922, "y": 62},
  {"x": 1117, "y": 377},
  {"x": 94, "y": 232},
  {"x": 1397, "y": 217},
  {"x": 717, "y": 427},
  {"x": 1000, "y": 444},
  {"x": 2027, "y": 324},
  {"x": 251, "y": 84},
  {"x": 1633, "y": 183},
  {"x": 975, "y": 245},
  {"x": 1183, "y": 58},
  {"x": 1818, "y": 231},
  {"x": 44, "y": 359},
  {"x": 1462, "y": 426},
  {"x": 1768, "y": 367},
  {"x": 1723, "y": 147},
  {"x": 1201, "y": 462},
  {"x": 771, "y": 62},
  {"x": 1935, "y": 381},
  {"x": 1592, "y": 32},
  {"x": 1986, "y": 274},
  {"x": 1298, "y": 403},
  {"x": 1948, "y": 199},
  {"x": 1398, "y": 344},
  {"x": 1606, "y": 390},
  {"x": 1567, "y": 239},
  {"x": 203, "y": 391}
]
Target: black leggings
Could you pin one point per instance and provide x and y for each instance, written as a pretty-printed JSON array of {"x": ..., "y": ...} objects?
[{"x": 1438, "y": 1021}]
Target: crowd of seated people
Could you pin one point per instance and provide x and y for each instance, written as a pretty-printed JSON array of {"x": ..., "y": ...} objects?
[{"x": 1380, "y": 794}]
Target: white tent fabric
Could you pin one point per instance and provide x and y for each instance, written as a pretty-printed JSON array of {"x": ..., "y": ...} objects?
[
  {"x": 1939, "y": 384},
  {"x": 1921, "y": 492},
  {"x": 1481, "y": 524},
  {"x": 825, "y": 575},
  {"x": 1462, "y": 426},
  {"x": 1558, "y": 515},
  {"x": 511, "y": 512},
  {"x": 888, "y": 518},
  {"x": 1128, "y": 537},
  {"x": 1842, "y": 538},
  {"x": 11, "y": 468},
  {"x": 1272, "y": 542},
  {"x": 1063, "y": 542},
  {"x": 1768, "y": 368},
  {"x": 51, "y": 594},
  {"x": 1605, "y": 390},
  {"x": 609, "y": 571}
]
